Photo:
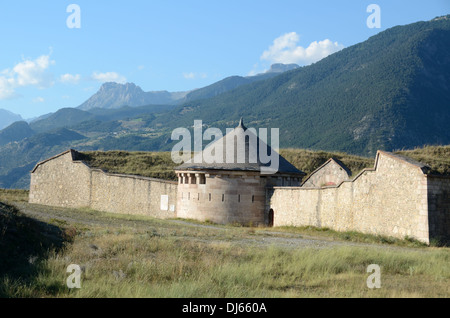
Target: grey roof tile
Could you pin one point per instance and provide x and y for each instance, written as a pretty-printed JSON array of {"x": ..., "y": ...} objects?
[{"x": 235, "y": 139}]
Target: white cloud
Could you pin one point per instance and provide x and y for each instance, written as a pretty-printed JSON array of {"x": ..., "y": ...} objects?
[
  {"x": 26, "y": 73},
  {"x": 33, "y": 72},
  {"x": 108, "y": 77},
  {"x": 192, "y": 75},
  {"x": 70, "y": 79},
  {"x": 6, "y": 89},
  {"x": 38, "y": 100},
  {"x": 285, "y": 50}
]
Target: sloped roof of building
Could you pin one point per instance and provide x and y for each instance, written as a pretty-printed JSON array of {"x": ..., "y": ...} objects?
[
  {"x": 423, "y": 167},
  {"x": 342, "y": 165},
  {"x": 335, "y": 160},
  {"x": 73, "y": 153},
  {"x": 237, "y": 161}
]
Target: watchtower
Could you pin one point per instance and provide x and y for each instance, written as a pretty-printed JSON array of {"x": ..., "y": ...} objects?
[{"x": 231, "y": 192}]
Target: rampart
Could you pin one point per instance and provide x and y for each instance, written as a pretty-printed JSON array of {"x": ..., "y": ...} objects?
[
  {"x": 395, "y": 198},
  {"x": 67, "y": 182}
]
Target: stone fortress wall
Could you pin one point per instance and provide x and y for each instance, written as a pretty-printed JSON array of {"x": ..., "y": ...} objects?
[
  {"x": 395, "y": 198},
  {"x": 64, "y": 181},
  {"x": 233, "y": 197}
]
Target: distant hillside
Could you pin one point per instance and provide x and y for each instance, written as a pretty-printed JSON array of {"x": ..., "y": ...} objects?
[
  {"x": 217, "y": 88},
  {"x": 18, "y": 159},
  {"x": 15, "y": 132},
  {"x": 389, "y": 92},
  {"x": 64, "y": 117},
  {"x": 232, "y": 82},
  {"x": 127, "y": 112},
  {"x": 7, "y": 118},
  {"x": 92, "y": 120}
]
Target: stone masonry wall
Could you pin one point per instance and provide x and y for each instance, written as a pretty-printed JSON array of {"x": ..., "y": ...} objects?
[
  {"x": 133, "y": 195},
  {"x": 329, "y": 174},
  {"x": 61, "y": 181},
  {"x": 224, "y": 198},
  {"x": 389, "y": 200}
]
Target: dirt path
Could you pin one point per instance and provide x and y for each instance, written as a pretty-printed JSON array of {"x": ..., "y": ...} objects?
[{"x": 210, "y": 233}]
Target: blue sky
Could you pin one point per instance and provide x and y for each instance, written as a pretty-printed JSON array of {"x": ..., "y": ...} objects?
[{"x": 172, "y": 45}]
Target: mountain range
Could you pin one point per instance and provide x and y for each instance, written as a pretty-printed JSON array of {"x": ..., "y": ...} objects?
[
  {"x": 389, "y": 92},
  {"x": 113, "y": 95}
]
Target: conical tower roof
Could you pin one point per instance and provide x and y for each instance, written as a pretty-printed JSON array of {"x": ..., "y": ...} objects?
[{"x": 232, "y": 158}]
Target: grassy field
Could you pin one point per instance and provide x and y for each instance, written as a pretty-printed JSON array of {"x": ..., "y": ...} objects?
[
  {"x": 147, "y": 164},
  {"x": 437, "y": 157},
  {"x": 8, "y": 195},
  {"x": 138, "y": 256}
]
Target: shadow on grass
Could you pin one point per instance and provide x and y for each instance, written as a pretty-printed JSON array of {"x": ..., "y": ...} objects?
[
  {"x": 440, "y": 241},
  {"x": 24, "y": 242}
]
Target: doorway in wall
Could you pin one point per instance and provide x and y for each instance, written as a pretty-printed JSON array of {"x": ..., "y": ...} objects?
[{"x": 270, "y": 218}]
